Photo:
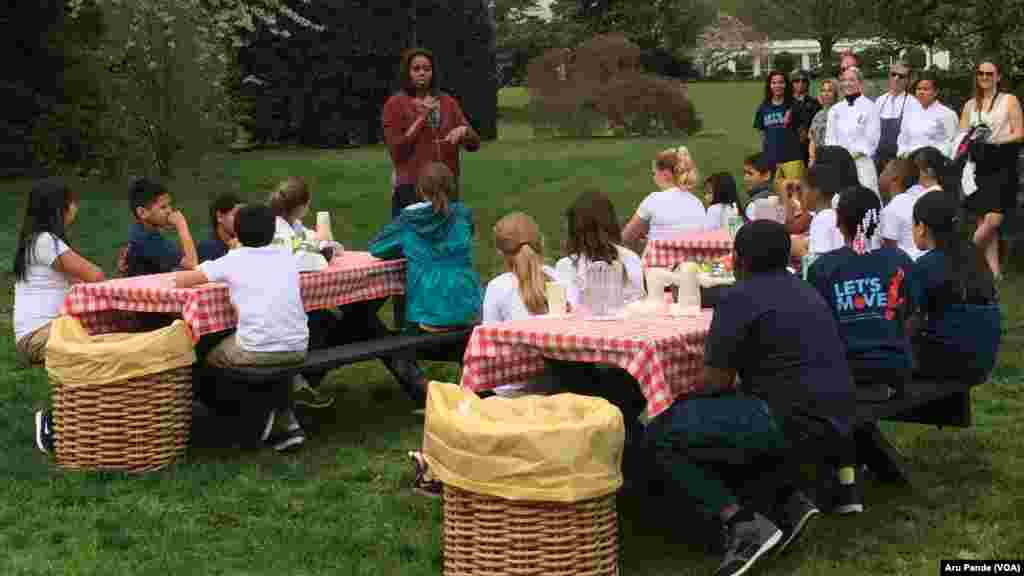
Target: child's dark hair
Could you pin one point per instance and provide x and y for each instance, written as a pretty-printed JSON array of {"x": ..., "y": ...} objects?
[
  {"x": 840, "y": 158},
  {"x": 723, "y": 188},
  {"x": 934, "y": 163},
  {"x": 763, "y": 246},
  {"x": 968, "y": 277},
  {"x": 221, "y": 204},
  {"x": 854, "y": 204},
  {"x": 593, "y": 227},
  {"x": 436, "y": 185},
  {"x": 47, "y": 203},
  {"x": 255, "y": 225},
  {"x": 787, "y": 96},
  {"x": 824, "y": 178},
  {"x": 143, "y": 192},
  {"x": 758, "y": 162}
]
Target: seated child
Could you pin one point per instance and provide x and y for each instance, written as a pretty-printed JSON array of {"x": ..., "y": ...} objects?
[
  {"x": 593, "y": 234},
  {"x": 776, "y": 334},
  {"x": 757, "y": 175},
  {"x": 222, "y": 219},
  {"x": 263, "y": 283},
  {"x": 719, "y": 192},
  {"x": 149, "y": 252},
  {"x": 290, "y": 202},
  {"x": 435, "y": 236},
  {"x": 798, "y": 219},
  {"x": 870, "y": 294},
  {"x": 958, "y": 306},
  {"x": 673, "y": 208},
  {"x": 44, "y": 268},
  {"x": 926, "y": 167},
  {"x": 821, "y": 184},
  {"x": 519, "y": 292}
]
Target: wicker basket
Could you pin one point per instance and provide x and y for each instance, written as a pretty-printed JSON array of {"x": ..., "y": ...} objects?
[
  {"x": 135, "y": 425},
  {"x": 490, "y": 536}
]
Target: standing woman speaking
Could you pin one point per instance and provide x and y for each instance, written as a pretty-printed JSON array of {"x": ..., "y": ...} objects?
[
  {"x": 854, "y": 124},
  {"x": 422, "y": 125},
  {"x": 996, "y": 119}
]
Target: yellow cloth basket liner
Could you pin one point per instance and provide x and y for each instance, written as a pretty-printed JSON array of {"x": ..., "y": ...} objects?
[
  {"x": 561, "y": 448},
  {"x": 76, "y": 358}
]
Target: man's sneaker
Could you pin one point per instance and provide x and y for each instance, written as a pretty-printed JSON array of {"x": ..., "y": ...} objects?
[
  {"x": 306, "y": 395},
  {"x": 748, "y": 540},
  {"x": 796, "y": 511},
  {"x": 44, "y": 432},
  {"x": 848, "y": 499}
]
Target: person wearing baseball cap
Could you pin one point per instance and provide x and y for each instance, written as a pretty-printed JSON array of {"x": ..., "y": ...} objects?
[{"x": 804, "y": 109}]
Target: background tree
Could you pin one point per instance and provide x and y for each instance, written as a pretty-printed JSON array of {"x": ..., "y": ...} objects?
[
  {"x": 728, "y": 40},
  {"x": 672, "y": 25},
  {"x": 824, "y": 21}
]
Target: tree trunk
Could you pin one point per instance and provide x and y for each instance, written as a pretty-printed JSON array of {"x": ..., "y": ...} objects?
[{"x": 827, "y": 67}]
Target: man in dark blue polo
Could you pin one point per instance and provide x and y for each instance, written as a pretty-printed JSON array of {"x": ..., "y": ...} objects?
[{"x": 778, "y": 335}]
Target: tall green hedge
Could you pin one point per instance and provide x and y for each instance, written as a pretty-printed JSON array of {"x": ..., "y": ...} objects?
[{"x": 328, "y": 88}]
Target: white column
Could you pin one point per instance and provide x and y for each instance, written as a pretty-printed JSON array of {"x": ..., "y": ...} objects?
[
  {"x": 928, "y": 57},
  {"x": 757, "y": 65},
  {"x": 731, "y": 66},
  {"x": 805, "y": 61}
]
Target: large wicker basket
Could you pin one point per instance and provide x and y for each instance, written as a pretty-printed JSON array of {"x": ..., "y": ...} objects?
[
  {"x": 491, "y": 536},
  {"x": 135, "y": 425}
]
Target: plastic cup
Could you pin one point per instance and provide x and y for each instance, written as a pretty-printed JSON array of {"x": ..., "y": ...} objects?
[
  {"x": 557, "y": 302},
  {"x": 323, "y": 226}
]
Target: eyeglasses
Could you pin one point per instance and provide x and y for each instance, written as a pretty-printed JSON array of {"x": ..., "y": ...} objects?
[
  {"x": 985, "y": 74},
  {"x": 898, "y": 75}
]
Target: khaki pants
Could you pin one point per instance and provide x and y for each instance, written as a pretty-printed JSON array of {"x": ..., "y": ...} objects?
[
  {"x": 227, "y": 354},
  {"x": 31, "y": 349}
]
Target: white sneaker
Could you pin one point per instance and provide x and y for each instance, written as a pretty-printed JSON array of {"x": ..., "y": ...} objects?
[{"x": 268, "y": 427}]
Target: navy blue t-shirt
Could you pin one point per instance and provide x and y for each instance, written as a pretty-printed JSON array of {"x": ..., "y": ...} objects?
[
  {"x": 870, "y": 295},
  {"x": 967, "y": 325},
  {"x": 781, "y": 142},
  {"x": 149, "y": 252},
  {"x": 211, "y": 249},
  {"x": 781, "y": 338}
]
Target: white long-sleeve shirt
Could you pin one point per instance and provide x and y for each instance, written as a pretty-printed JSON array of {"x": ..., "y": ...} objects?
[
  {"x": 935, "y": 125},
  {"x": 856, "y": 128}
]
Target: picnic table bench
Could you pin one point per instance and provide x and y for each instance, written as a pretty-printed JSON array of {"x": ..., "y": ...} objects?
[{"x": 920, "y": 401}]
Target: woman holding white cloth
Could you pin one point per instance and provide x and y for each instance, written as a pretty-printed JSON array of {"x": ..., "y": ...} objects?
[
  {"x": 931, "y": 124},
  {"x": 854, "y": 124}
]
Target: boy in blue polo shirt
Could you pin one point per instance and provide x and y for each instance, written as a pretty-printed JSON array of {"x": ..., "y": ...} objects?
[{"x": 149, "y": 252}]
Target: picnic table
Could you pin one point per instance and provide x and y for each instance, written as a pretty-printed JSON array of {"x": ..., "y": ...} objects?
[
  {"x": 699, "y": 246},
  {"x": 111, "y": 306},
  {"x": 665, "y": 355}
]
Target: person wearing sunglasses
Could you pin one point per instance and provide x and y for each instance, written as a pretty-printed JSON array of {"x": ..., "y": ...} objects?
[
  {"x": 893, "y": 107},
  {"x": 994, "y": 124}
]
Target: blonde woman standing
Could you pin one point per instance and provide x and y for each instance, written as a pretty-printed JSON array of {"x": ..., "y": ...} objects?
[
  {"x": 673, "y": 208},
  {"x": 819, "y": 124},
  {"x": 854, "y": 124}
]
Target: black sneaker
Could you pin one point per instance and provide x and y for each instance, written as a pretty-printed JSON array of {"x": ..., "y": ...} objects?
[
  {"x": 268, "y": 426},
  {"x": 288, "y": 440},
  {"x": 796, "y": 511},
  {"x": 748, "y": 540},
  {"x": 848, "y": 499},
  {"x": 44, "y": 432}
]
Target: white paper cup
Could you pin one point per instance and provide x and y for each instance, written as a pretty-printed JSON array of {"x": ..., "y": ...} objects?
[
  {"x": 323, "y": 226},
  {"x": 555, "y": 293}
]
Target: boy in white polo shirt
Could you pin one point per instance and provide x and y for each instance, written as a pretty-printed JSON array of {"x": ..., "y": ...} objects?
[{"x": 272, "y": 326}]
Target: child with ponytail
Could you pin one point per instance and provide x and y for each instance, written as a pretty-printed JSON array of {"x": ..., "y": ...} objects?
[
  {"x": 958, "y": 307},
  {"x": 520, "y": 291},
  {"x": 869, "y": 291},
  {"x": 673, "y": 208}
]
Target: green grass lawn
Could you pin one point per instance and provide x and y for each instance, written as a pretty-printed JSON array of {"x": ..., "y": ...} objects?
[{"x": 342, "y": 505}]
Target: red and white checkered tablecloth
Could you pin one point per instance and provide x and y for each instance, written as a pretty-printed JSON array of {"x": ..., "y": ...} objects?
[
  {"x": 665, "y": 355},
  {"x": 109, "y": 306},
  {"x": 688, "y": 247}
]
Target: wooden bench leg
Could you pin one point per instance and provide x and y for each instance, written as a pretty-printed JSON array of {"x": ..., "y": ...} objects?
[
  {"x": 874, "y": 450},
  {"x": 398, "y": 306}
]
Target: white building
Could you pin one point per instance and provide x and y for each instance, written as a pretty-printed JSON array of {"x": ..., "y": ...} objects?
[{"x": 809, "y": 53}]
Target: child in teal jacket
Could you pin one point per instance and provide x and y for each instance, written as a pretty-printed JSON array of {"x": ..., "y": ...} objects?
[{"x": 435, "y": 236}]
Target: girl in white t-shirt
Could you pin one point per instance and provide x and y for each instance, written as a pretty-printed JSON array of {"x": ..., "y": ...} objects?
[
  {"x": 44, "y": 267},
  {"x": 520, "y": 291},
  {"x": 673, "y": 208},
  {"x": 719, "y": 192}
]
